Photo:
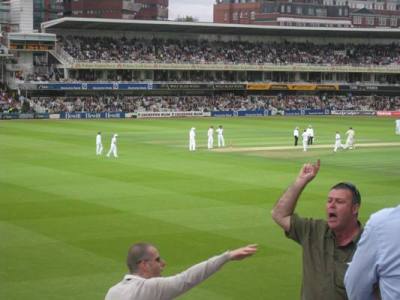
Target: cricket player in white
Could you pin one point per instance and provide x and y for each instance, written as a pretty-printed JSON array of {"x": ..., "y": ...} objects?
[
  {"x": 210, "y": 134},
  {"x": 113, "y": 148},
  {"x": 305, "y": 140},
  {"x": 338, "y": 142},
  {"x": 350, "y": 139},
  {"x": 192, "y": 139},
  {"x": 221, "y": 140},
  {"x": 310, "y": 133},
  {"x": 397, "y": 126},
  {"x": 99, "y": 144},
  {"x": 296, "y": 135}
]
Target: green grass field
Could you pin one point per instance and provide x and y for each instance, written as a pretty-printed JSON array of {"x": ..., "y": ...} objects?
[{"x": 68, "y": 217}]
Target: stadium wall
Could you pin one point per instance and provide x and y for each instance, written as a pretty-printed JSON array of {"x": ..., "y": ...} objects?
[{"x": 184, "y": 114}]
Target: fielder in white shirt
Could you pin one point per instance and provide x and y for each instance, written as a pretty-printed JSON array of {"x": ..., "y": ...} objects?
[
  {"x": 192, "y": 139},
  {"x": 305, "y": 140},
  {"x": 350, "y": 139},
  {"x": 221, "y": 140},
  {"x": 338, "y": 142},
  {"x": 113, "y": 148},
  {"x": 99, "y": 144},
  {"x": 210, "y": 135}
]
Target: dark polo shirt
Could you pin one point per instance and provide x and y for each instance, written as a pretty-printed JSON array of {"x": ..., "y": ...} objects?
[{"x": 324, "y": 263}]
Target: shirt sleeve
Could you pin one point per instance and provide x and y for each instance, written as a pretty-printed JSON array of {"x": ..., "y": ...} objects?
[
  {"x": 173, "y": 286},
  {"x": 361, "y": 276},
  {"x": 299, "y": 228}
]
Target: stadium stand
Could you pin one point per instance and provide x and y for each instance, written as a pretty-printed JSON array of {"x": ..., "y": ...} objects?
[
  {"x": 131, "y": 66},
  {"x": 8, "y": 103},
  {"x": 204, "y": 103},
  {"x": 104, "y": 49}
]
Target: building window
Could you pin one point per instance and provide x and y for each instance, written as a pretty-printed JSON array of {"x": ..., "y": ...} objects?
[
  {"x": 282, "y": 8},
  {"x": 289, "y": 9},
  {"x": 299, "y": 11},
  {"x": 320, "y": 12},
  {"x": 393, "y": 21},
  {"x": 340, "y": 12},
  {"x": 310, "y": 11},
  {"x": 226, "y": 17},
  {"x": 370, "y": 20},
  {"x": 253, "y": 15},
  {"x": 382, "y": 21},
  {"x": 357, "y": 20},
  {"x": 235, "y": 16}
]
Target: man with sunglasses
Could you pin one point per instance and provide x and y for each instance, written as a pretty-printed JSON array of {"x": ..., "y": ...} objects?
[
  {"x": 145, "y": 266},
  {"x": 328, "y": 245}
]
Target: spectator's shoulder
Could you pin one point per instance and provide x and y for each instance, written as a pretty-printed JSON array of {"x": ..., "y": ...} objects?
[{"x": 383, "y": 215}]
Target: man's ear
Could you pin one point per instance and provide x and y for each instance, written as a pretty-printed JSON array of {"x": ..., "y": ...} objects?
[{"x": 355, "y": 209}]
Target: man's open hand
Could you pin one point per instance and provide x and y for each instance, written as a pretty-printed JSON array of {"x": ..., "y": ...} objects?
[{"x": 243, "y": 252}]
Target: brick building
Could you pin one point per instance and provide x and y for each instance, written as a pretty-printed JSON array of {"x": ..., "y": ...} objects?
[
  {"x": 118, "y": 9},
  {"x": 45, "y": 10},
  {"x": 309, "y": 13}
]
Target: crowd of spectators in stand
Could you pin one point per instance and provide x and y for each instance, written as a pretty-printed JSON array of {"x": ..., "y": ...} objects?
[
  {"x": 8, "y": 103},
  {"x": 210, "y": 103},
  {"x": 110, "y": 49}
]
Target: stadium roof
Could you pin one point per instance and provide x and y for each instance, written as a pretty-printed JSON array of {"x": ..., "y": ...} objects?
[
  {"x": 212, "y": 28},
  {"x": 31, "y": 36}
]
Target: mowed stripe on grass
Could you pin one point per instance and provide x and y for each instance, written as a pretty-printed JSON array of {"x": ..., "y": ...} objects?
[
  {"x": 274, "y": 148},
  {"x": 67, "y": 217}
]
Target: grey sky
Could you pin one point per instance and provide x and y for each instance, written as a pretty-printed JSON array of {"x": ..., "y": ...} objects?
[{"x": 200, "y": 9}]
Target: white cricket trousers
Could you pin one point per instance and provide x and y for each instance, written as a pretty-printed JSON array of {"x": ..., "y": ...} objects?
[
  {"x": 305, "y": 145},
  {"x": 99, "y": 149},
  {"x": 221, "y": 141},
  {"x": 210, "y": 144},
  {"x": 113, "y": 151},
  {"x": 192, "y": 145}
]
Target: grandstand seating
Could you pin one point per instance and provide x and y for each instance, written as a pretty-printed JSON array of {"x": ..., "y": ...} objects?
[
  {"x": 106, "y": 49},
  {"x": 210, "y": 103}
]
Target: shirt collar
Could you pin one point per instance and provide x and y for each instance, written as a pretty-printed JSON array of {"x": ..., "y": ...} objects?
[
  {"x": 330, "y": 234},
  {"x": 130, "y": 276}
]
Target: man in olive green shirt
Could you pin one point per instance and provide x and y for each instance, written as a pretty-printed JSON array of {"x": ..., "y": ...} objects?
[{"x": 328, "y": 245}]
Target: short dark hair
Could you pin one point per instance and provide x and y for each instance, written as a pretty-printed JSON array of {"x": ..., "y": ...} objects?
[
  {"x": 356, "y": 196},
  {"x": 137, "y": 253}
]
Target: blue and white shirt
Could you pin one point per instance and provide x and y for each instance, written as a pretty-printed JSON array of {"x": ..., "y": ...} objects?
[{"x": 377, "y": 258}]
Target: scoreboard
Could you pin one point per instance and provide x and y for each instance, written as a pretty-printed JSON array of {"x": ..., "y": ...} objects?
[{"x": 31, "y": 42}]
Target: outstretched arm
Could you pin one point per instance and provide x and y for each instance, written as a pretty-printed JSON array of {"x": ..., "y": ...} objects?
[
  {"x": 173, "y": 286},
  {"x": 284, "y": 208}
]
